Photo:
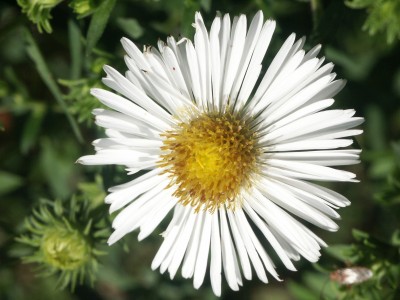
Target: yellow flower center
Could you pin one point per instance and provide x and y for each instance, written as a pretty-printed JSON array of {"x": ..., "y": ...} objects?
[{"x": 210, "y": 159}]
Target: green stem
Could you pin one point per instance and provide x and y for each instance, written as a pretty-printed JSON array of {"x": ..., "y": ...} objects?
[
  {"x": 44, "y": 72},
  {"x": 316, "y": 11}
]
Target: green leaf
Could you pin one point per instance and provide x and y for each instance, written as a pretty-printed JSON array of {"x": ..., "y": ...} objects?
[
  {"x": 357, "y": 67},
  {"x": 396, "y": 150},
  {"x": 382, "y": 166},
  {"x": 341, "y": 252},
  {"x": 131, "y": 27},
  {"x": 35, "y": 54},
  {"x": 93, "y": 192},
  {"x": 375, "y": 127},
  {"x": 32, "y": 127},
  {"x": 56, "y": 165},
  {"x": 395, "y": 240},
  {"x": 301, "y": 292},
  {"x": 75, "y": 46},
  {"x": 317, "y": 282},
  {"x": 9, "y": 182},
  {"x": 98, "y": 24},
  {"x": 12, "y": 77},
  {"x": 206, "y": 5},
  {"x": 359, "y": 3},
  {"x": 360, "y": 235}
]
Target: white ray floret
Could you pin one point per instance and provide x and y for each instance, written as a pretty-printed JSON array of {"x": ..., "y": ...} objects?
[{"x": 294, "y": 139}]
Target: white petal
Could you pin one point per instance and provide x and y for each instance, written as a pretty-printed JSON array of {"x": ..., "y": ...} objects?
[
  {"x": 194, "y": 73},
  {"x": 134, "y": 53},
  {"x": 322, "y": 158},
  {"x": 128, "y": 108},
  {"x": 295, "y": 115},
  {"x": 150, "y": 146},
  {"x": 123, "y": 196},
  {"x": 174, "y": 67},
  {"x": 248, "y": 85},
  {"x": 286, "y": 227},
  {"x": 309, "y": 170},
  {"x": 129, "y": 158},
  {"x": 215, "y": 61},
  {"x": 121, "y": 123},
  {"x": 181, "y": 243},
  {"x": 204, "y": 248},
  {"x": 250, "y": 43},
  {"x": 202, "y": 44},
  {"x": 189, "y": 262},
  {"x": 157, "y": 216},
  {"x": 224, "y": 36},
  {"x": 288, "y": 201},
  {"x": 129, "y": 90},
  {"x": 311, "y": 144},
  {"x": 132, "y": 211},
  {"x": 314, "y": 125},
  {"x": 241, "y": 249},
  {"x": 273, "y": 69},
  {"x": 215, "y": 264},
  {"x": 143, "y": 213},
  {"x": 269, "y": 236},
  {"x": 268, "y": 264},
  {"x": 170, "y": 236},
  {"x": 233, "y": 57},
  {"x": 255, "y": 260},
  {"x": 229, "y": 259}
]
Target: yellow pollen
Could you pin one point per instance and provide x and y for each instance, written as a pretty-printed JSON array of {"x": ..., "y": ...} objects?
[{"x": 210, "y": 159}]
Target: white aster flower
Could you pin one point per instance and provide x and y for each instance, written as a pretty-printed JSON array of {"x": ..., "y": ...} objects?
[{"x": 224, "y": 153}]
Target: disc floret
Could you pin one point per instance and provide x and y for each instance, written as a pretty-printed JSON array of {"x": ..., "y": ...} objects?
[{"x": 210, "y": 159}]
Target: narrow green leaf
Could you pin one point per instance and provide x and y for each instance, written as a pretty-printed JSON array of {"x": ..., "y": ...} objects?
[
  {"x": 75, "y": 46},
  {"x": 56, "y": 165},
  {"x": 375, "y": 127},
  {"x": 341, "y": 252},
  {"x": 300, "y": 292},
  {"x": 395, "y": 239},
  {"x": 98, "y": 24},
  {"x": 35, "y": 54},
  {"x": 206, "y": 5},
  {"x": 131, "y": 27},
  {"x": 316, "y": 9},
  {"x": 32, "y": 127},
  {"x": 396, "y": 150},
  {"x": 11, "y": 76},
  {"x": 318, "y": 283},
  {"x": 357, "y": 67},
  {"x": 9, "y": 182},
  {"x": 359, "y": 3},
  {"x": 360, "y": 235}
]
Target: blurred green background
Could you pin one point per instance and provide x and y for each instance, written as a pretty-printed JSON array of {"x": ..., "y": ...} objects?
[{"x": 52, "y": 53}]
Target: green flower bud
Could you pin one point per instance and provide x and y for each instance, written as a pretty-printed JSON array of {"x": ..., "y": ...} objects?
[
  {"x": 65, "y": 249},
  {"x": 83, "y": 8},
  {"x": 39, "y": 12},
  {"x": 63, "y": 237}
]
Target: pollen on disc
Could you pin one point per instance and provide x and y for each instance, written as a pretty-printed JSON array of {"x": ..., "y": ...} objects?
[{"x": 210, "y": 159}]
